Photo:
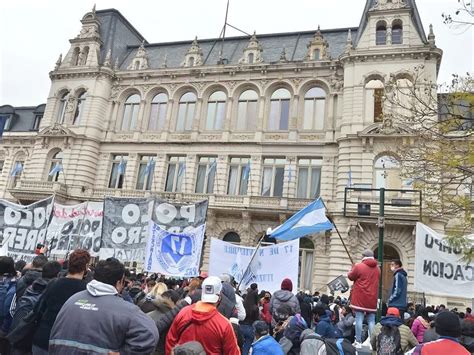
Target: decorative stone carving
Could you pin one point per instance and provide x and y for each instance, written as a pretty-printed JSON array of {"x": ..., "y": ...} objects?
[
  {"x": 348, "y": 41},
  {"x": 317, "y": 48},
  {"x": 90, "y": 26},
  {"x": 388, "y": 5},
  {"x": 58, "y": 62},
  {"x": 140, "y": 61},
  {"x": 115, "y": 91},
  {"x": 337, "y": 82},
  {"x": 116, "y": 65},
  {"x": 432, "y": 37},
  {"x": 243, "y": 137},
  {"x": 253, "y": 52},
  {"x": 283, "y": 58},
  {"x": 108, "y": 59},
  {"x": 71, "y": 104},
  {"x": 312, "y": 136},
  {"x": 194, "y": 56},
  {"x": 296, "y": 82}
]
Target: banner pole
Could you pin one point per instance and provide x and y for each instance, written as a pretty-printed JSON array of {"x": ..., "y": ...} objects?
[
  {"x": 337, "y": 231},
  {"x": 251, "y": 259}
]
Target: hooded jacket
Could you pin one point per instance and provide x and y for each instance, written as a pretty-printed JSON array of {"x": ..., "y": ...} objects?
[
  {"x": 161, "y": 306},
  {"x": 26, "y": 280},
  {"x": 366, "y": 277},
  {"x": 407, "y": 339},
  {"x": 97, "y": 321},
  {"x": 311, "y": 343},
  {"x": 284, "y": 297},
  {"x": 325, "y": 328},
  {"x": 29, "y": 299},
  {"x": 266, "y": 345},
  {"x": 419, "y": 327},
  {"x": 203, "y": 323},
  {"x": 227, "y": 306},
  {"x": 398, "y": 294}
]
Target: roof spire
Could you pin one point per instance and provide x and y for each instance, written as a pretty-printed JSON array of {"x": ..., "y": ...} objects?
[
  {"x": 93, "y": 9},
  {"x": 349, "y": 40},
  {"x": 431, "y": 37},
  {"x": 58, "y": 62}
]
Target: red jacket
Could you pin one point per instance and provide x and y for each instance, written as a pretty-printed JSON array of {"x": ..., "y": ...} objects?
[
  {"x": 440, "y": 347},
  {"x": 265, "y": 314},
  {"x": 203, "y": 323},
  {"x": 366, "y": 277}
]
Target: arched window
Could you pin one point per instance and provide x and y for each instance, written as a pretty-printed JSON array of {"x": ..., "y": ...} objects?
[
  {"x": 191, "y": 62},
  {"x": 314, "y": 108},
  {"x": 136, "y": 65},
  {"x": 75, "y": 56},
  {"x": 130, "y": 112},
  {"x": 84, "y": 55},
  {"x": 381, "y": 33},
  {"x": 62, "y": 107},
  {"x": 216, "y": 111},
  {"x": 279, "y": 110},
  {"x": 186, "y": 108},
  {"x": 55, "y": 166},
  {"x": 158, "y": 112},
  {"x": 387, "y": 173},
  {"x": 397, "y": 32},
  {"x": 374, "y": 92},
  {"x": 306, "y": 263},
  {"x": 247, "y": 111},
  {"x": 79, "y": 108},
  {"x": 232, "y": 237},
  {"x": 250, "y": 58}
]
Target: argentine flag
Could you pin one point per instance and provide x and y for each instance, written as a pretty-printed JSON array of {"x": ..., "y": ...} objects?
[{"x": 311, "y": 219}]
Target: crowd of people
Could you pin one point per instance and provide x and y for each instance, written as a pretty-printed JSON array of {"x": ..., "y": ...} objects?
[{"x": 47, "y": 307}]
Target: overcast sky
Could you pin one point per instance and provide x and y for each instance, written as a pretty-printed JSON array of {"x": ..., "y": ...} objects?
[{"x": 34, "y": 32}]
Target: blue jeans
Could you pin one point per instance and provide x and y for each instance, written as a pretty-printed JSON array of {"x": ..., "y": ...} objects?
[
  {"x": 359, "y": 315},
  {"x": 249, "y": 336}
]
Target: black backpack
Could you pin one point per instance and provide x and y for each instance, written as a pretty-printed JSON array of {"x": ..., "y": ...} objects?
[{"x": 388, "y": 341}]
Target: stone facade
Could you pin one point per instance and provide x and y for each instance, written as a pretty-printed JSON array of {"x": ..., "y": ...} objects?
[{"x": 120, "y": 75}]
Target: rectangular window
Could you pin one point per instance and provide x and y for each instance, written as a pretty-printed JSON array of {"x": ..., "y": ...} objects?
[
  {"x": 146, "y": 170},
  {"x": 206, "y": 175},
  {"x": 239, "y": 173},
  {"x": 309, "y": 178},
  {"x": 157, "y": 117},
  {"x": 176, "y": 173},
  {"x": 185, "y": 116},
  {"x": 247, "y": 116},
  {"x": 37, "y": 122},
  {"x": 314, "y": 113},
  {"x": 272, "y": 178},
  {"x": 215, "y": 115},
  {"x": 378, "y": 95},
  {"x": 279, "y": 115},
  {"x": 117, "y": 174}
]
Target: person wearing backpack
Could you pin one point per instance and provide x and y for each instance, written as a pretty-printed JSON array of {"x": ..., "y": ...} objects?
[
  {"x": 7, "y": 293},
  {"x": 391, "y": 336}
]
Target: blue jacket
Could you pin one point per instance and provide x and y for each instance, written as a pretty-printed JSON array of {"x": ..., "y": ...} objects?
[
  {"x": 398, "y": 294},
  {"x": 266, "y": 345},
  {"x": 325, "y": 328}
]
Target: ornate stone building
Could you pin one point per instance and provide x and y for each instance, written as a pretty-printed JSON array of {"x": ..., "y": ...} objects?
[{"x": 258, "y": 125}]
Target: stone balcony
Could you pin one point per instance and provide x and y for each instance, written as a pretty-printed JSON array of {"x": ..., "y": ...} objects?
[{"x": 29, "y": 190}]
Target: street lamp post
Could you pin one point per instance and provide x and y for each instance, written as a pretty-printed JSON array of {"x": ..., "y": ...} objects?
[{"x": 381, "y": 225}]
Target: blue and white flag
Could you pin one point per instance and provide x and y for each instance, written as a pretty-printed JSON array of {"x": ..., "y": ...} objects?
[
  {"x": 181, "y": 168},
  {"x": 57, "y": 168},
  {"x": 212, "y": 167},
  {"x": 122, "y": 166},
  {"x": 311, "y": 219},
  {"x": 246, "y": 172},
  {"x": 149, "y": 166},
  {"x": 17, "y": 169}
]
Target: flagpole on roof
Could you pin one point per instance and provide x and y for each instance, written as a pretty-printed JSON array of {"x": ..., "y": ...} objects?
[{"x": 328, "y": 215}]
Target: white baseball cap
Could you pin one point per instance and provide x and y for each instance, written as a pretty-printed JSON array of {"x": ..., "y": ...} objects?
[{"x": 211, "y": 289}]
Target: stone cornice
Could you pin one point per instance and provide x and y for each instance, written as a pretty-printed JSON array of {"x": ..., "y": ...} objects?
[
  {"x": 362, "y": 55},
  {"x": 72, "y": 73}
]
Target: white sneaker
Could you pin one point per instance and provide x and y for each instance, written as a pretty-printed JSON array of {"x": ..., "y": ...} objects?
[{"x": 357, "y": 345}]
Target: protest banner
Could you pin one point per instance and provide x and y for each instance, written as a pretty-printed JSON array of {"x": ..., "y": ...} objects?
[
  {"x": 174, "y": 254},
  {"x": 22, "y": 228},
  {"x": 439, "y": 268},
  {"x": 176, "y": 238},
  {"x": 270, "y": 266},
  {"x": 75, "y": 227},
  {"x": 125, "y": 228}
]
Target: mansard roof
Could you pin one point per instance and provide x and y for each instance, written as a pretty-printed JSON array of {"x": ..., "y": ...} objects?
[
  {"x": 124, "y": 40},
  {"x": 23, "y": 116},
  {"x": 415, "y": 15}
]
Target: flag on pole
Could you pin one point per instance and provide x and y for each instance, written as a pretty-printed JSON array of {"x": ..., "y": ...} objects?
[
  {"x": 246, "y": 172},
  {"x": 57, "y": 168},
  {"x": 181, "y": 168},
  {"x": 149, "y": 167},
  {"x": 349, "y": 178},
  {"x": 17, "y": 169},
  {"x": 122, "y": 166},
  {"x": 309, "y": 220},
  {"x": 212, "y": 167}
]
